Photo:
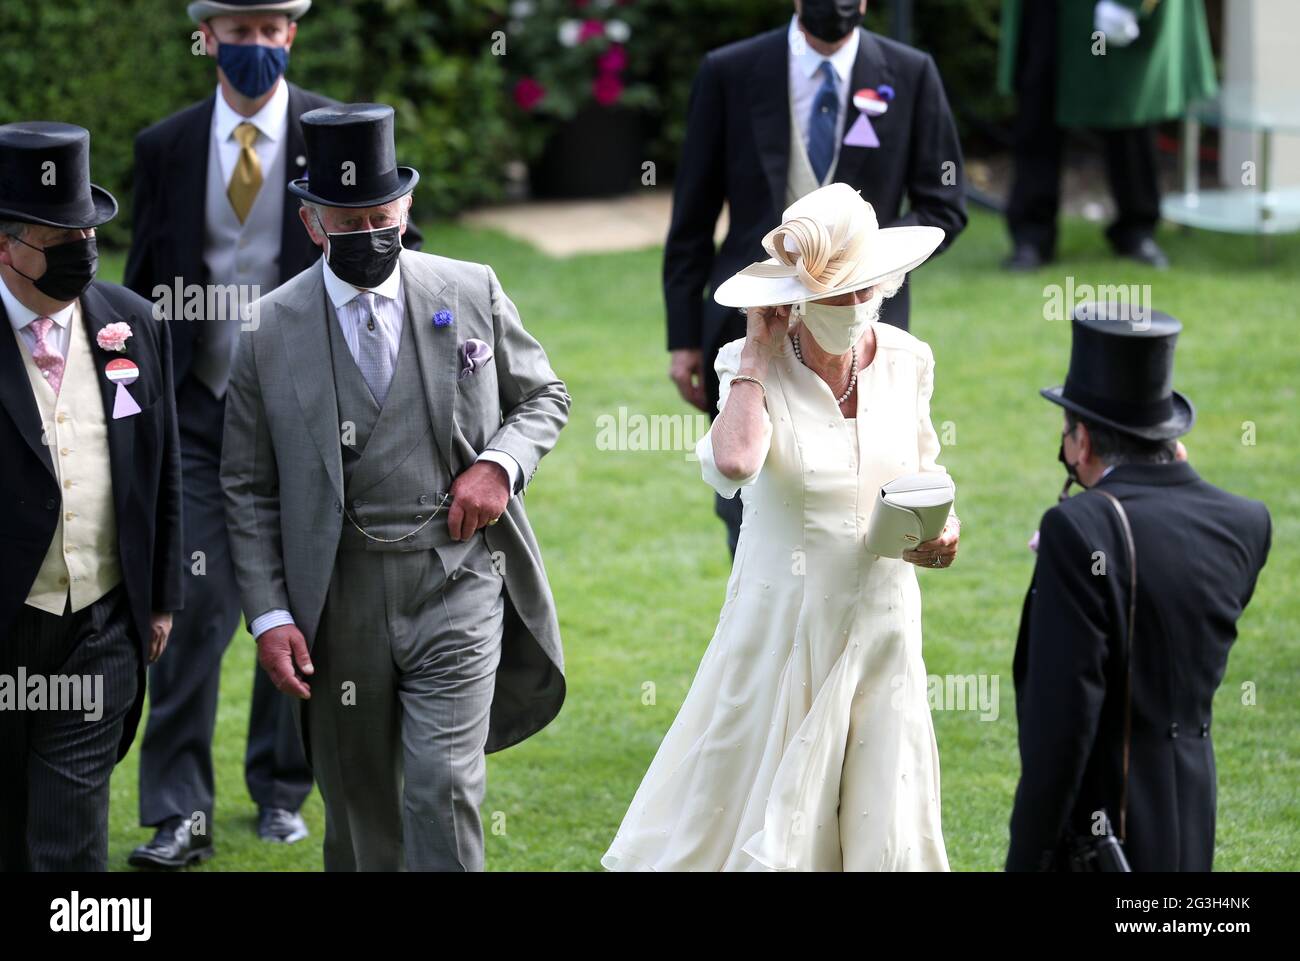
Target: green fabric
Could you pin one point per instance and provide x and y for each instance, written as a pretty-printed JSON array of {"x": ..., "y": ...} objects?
[
  {"x": 1151, "y": 80},
  {"x": 1008, "y": 41}
]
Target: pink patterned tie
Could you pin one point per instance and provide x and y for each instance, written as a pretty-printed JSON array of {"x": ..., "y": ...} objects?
[{"x": 48, "y": 360}]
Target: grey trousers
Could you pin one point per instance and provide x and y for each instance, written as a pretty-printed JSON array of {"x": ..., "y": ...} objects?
[{"x": 405, "y": 661}]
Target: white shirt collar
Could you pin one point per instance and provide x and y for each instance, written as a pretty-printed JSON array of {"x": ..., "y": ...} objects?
[
  {"x": 20, "y": 316},
  {"x": 341, "y": 292},
  {"x": 810, "y": 61},
  {"x": 271, "y": 121}
]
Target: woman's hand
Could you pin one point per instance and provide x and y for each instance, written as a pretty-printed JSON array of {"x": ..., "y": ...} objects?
[
  {"x": 764, "y": 335},
  {"x": 941, "y": 551}
]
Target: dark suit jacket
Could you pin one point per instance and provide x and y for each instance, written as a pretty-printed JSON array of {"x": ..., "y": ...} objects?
[
  {"x": 171, "y": 176},
  {"x": 145, "y": 464},
  {"x": 737, "y": 149},
  {"x": 1199, "y": 552}
]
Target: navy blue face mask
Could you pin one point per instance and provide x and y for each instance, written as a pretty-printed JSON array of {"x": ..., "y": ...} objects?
[{"x": 252, "y": 68}]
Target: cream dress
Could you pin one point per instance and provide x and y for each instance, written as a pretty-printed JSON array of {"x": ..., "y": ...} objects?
[{"x": 805, "y": 741}]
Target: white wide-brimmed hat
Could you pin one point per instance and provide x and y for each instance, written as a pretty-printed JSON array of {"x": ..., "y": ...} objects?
[
  {"x": 829, "y": 243},
  {"x": 206, "y": 9}
]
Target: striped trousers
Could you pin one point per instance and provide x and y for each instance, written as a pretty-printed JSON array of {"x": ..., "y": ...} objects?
[{"x": 55, "y": 762}]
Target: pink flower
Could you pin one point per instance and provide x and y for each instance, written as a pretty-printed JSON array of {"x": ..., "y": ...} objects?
[
  {"x": 590, "y": 30},
  {"x": 613, "y": 60},
  {"x": 528, "y": 93},
  {"x": 113, "y": 337},
  {"x": 607, "y": 88}
]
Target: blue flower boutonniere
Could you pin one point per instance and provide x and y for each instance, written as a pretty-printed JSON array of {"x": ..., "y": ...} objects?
[{"x": 442, "y": 318}]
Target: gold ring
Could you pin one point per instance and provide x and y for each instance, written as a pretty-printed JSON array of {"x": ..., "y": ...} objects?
[{"x": 493, "y": 521}]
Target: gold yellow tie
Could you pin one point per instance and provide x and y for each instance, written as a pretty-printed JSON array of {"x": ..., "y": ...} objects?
[{"x": 247, "y": 179}]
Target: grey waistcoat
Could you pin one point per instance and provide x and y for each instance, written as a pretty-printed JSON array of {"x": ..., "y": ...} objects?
[
  {"x": 246, "y": 254},
  {"x": 393, "y": 474}
]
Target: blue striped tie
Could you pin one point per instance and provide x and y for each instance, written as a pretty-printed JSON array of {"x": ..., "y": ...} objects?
[{"x": 822, "y": 122}]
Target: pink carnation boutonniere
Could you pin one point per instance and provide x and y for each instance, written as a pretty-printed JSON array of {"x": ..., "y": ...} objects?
[{"x": 114, "y": 337}]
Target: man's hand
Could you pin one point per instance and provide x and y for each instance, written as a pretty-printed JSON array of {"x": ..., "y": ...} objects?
[
  {"x": 478, "y": 496},
  {"x": 686, "y": 368},
  {"x": 161, "y": 625},
  {"x": 278, "y": 650}
]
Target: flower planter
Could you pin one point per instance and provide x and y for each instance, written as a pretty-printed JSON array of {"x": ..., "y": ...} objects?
[{"x": 598, "y": 153}]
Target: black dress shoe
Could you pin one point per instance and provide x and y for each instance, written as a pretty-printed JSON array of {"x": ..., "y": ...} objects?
[
  {"x": 1024, "y": 258},
  {"x": 1146, "y": 251},
  {"x": 280, "y": 825},
  {"x": 174, "y": 846}
]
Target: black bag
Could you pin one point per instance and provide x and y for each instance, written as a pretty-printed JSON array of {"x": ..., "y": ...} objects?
[
  {"x": 1098, "y": 853},
  {"x": 1105, "y": 852}
]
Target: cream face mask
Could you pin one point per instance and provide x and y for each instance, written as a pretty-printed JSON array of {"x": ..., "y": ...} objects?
[{"x": 836, "y": 329}]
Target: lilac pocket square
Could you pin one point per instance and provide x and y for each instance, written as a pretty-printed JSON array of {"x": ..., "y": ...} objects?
[{"x": 474, "y": 355}]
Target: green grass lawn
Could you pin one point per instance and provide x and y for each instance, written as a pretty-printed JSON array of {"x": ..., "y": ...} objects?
[{"x": 638, "y": 561}]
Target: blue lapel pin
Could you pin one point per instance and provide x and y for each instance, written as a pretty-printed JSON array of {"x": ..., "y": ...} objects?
[{"x": 442, "y": 318}]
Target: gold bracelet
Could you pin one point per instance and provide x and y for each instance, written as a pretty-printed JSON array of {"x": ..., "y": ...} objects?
[{"x": 752, "y": 380}]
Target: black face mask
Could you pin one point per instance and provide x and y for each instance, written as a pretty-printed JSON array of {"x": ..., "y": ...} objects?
[
  {"x": 830, "y": 20},
  {"x": 69, "y": 268},
  {"x": 365, "y": 258},
  {"x": 1071, "y": 471}
]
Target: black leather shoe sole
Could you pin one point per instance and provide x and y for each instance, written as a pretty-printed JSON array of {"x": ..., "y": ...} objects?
[{"x": 148, "y": 859}]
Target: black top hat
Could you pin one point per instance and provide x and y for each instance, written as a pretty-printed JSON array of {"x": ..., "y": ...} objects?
[
  {"x": 45, "y": 177},
  {"x": 1121, "y": 372},
  {"x": 351, "y": 161}
]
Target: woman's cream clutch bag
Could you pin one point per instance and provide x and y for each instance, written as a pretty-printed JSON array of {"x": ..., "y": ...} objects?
[{"x": 910, "y": 509}]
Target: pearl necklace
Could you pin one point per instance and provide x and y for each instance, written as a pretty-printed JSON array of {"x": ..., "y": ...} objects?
[{"x": 853, "y": 368}]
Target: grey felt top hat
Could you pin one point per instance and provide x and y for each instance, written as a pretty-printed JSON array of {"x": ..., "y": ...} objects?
[{"x": 204, "y": 9}]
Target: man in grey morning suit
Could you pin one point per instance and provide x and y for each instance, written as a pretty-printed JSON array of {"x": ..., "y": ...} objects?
[{"x": 384, "y": 408}]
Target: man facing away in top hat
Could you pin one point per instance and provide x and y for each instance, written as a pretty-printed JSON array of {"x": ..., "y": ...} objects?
[
  {"x": 1115, "y": 741},
  {"x": 91, "y": 551},
  {"x": 773, "y": 117},
  {"x": 213, "y": 216},
  {"x": 386, "y": 409}
]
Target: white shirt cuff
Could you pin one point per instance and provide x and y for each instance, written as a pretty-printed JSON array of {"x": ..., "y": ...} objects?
[
  {"x": 512, "y": 468},
  {"x": 263, "y": 623}
]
